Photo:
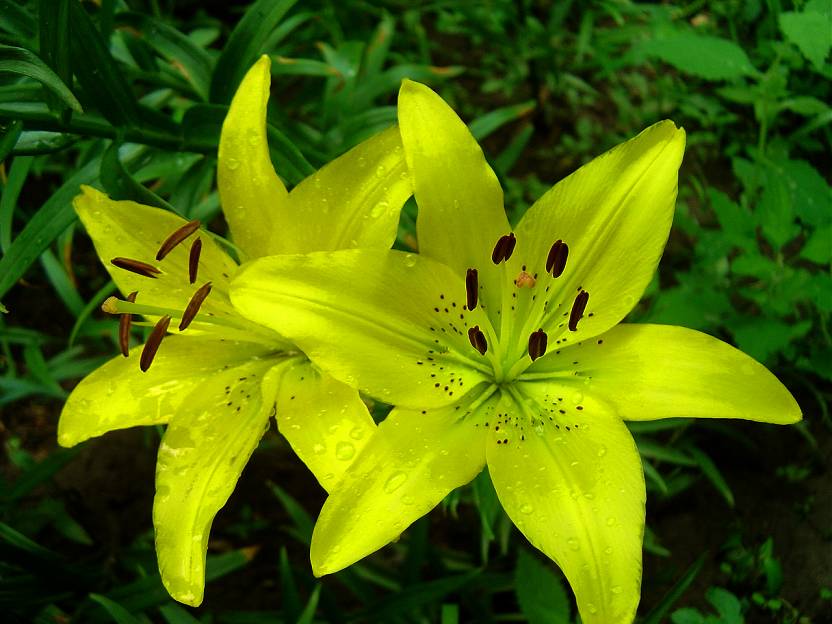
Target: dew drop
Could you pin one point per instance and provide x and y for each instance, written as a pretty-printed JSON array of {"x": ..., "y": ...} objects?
[
  {"x": 232, "y": 164},
  {"x": 602, "y": 450},
  {"x": 380, "y": 171},
  {"x": 344, "y": 451},
  {"x": 319, "y": 449},
  {"x": 407, "y": 500},
  {"x": 356, "y": 433},
  {"x": 572, "y": 543},
  {"x": 591, "y": 608},
  {"x": 616, "y": 589},
  {"x": 610, "y": 521},
  {"x": 410, "y": 260},
  {"x": 379, "y": 209},
  {"x": 395, "y": 482},
  {"x": 526, "y": 508}
]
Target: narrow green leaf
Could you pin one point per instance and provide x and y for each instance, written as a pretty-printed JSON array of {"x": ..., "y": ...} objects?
[
  {"x": 712, "y": 473},
  {"x": 9, "y": 137},
  {"x": 485, "y": 125},
  {"x": 414, "y": 597},
  {"x": 540, "y": 592},
  {"x": 119, "y": 184},
  {"x": 659, "y": 612},
  {"x": 308, "y": 615},
  {"x": 55, "y": 33},
  {"x": 290, "y": 597},
  {"x": 50, "y": 220},
  {"x": 175, "y": 614},
  {"x": 20, "y": 61},
  {"x": 98, "y": 73},
  {"x": 8, "y": 200},
  {"x": 244, "y": 45},
  {"x": 303, "y": 522},
  {"x": 189, "y": 59},
  {"x": 17, "y": 540},
  {"x": 118, "y": 613},
  {"x": 15, "y": 20}
]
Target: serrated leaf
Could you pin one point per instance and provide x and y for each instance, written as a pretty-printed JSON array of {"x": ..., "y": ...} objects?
[
  {"x": 712, "y": 58},
  {"x": 726, "y": 604},
  {"x": 244, "y": 44},
  {"x": 810, "y": 31},
  {"x": 818, "y": 247},
  {"x": 22, "y": 62},
  {"x": 761, "y": 338},
  {"x": 540, "y": 592}
]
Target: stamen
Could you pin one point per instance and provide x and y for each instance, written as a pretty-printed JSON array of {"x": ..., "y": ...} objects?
[
  {"x": 193, "y": 306},
  {"x": 471, "y": 288},
  {"x": 124, "y": 322},
  {"x": 153, "y": 342},
  {"x": 578, "y": 308},
  {"x": 177, "y": 237},
  {"x": 193, "y": 259},
  {"x": 524, "y": 280},
  {"x": 537, "y": 344},
  {"x": 556, "y": 261},
  {"x": 504, "y": 248},
  {"x": 477, "y": 339},
  {"x": 136, "y": 266}
]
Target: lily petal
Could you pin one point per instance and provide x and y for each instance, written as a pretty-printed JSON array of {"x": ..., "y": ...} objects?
[
  {"x": 325, "y": 421},
  {"x": 383, "y": 321},
  {"x": 410, "y": 464},
  {"x": 614, "y": 214},
  {"x": 352, "y": 202},
  {"x": 118, "y": 395},
  {"x": 128, "y": 229},
  {"x": 660, "y": 371},
  {"x": 254, "y": 199},
  {"x": 461, "y": 214},
  {"x": 204, "y": 450},
  {"x": 578, "y": 495}
]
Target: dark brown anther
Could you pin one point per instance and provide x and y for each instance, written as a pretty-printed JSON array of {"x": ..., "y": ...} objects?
[
  {"x": 177, "y": 237},
  {"x": 471, "y": 289},
  {"x": 136, "y": 266},
  {"x": 193, "y": 259},
  {"x": 194, "y": 305},
  {"x": 578, "y": 308},
  {"x": 503, "y": 249},
  {"x": 537, "y": 344},
  {"x": 556, "y": 261},
  {"x": 124, "y": 323},
  {"x": 153, "y": 342},
  {"x": 477, "y": 339}
]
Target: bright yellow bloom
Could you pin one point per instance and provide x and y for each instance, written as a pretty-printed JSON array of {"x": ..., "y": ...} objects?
[
  {"x": 503, "y": 348},
  {"x": 217, "y": 382}
]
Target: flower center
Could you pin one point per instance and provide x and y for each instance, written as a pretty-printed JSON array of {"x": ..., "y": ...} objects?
[
  {"x": 530, "y": 320},
  {"x": 227, "y": 323}
]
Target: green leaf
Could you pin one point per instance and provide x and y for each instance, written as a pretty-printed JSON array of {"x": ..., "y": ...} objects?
[
  {"x": 687, "y": 616},
  {"x": 9, "y": 137},
  {"x": 726, "y": 604},
  {"x": 818, "y": 247},
  {"x": 8, "y": 200},
  {"x": 810, "y": 31},
  {"x": 776, "y": 213},
  {"x": 712, "y": 473},
  {"x": 175, "y": 614},
  {"x": 657, "y": 615},
  {"x": 244, "y": 45},
  {"x": 303, "y": 522},
  {"x": 809, "y": 193},
  {"x": 805, "y": 105},
  {"x": 189, "y": 59},
  {"x": 98, "y": 73},
  {"x": 762, "y": 338},
  {"x": 540, "y": 592},
  {"x": 20, "y": 61},
  {"x": 50, "y": 220},
  {"x": 119, "y": 614},
  {"x": 486, "y": 124},
  {"x": 54, "y": 35},
  {"x": 308, "y": 615},
  {"x": 120, "y": 185},
  {"x": 704, "y": 56}
]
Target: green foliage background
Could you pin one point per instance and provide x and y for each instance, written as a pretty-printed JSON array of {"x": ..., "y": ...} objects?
[{"x": 129, "y": 95}]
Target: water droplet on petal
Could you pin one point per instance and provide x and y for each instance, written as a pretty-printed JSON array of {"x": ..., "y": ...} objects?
[
  {"x": 410, "y": 260},
  {"x": 395, "y": 482},
  {"x": 610, "y": 521},
  {"x": 379, "y": 209},
  {"x": 572, "y": 543},
  {"x": 319, "y": 449},
  {"x": 616, "y": 589},
  {"x": 232, "y": 164},
  {"x": 602, "y": 450},
  {"x": 526, "y": 508},
  {"x": 344, "y": 451},
  {"x": 356, "y": 433},
  {"x": 407, "y": 500},
  {"x": 591, "y": 608}
]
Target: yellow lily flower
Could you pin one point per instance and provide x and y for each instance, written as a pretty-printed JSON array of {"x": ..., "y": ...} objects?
[
  {"x": 503, "y": 348},
  {"x": 217, "y": 382}
]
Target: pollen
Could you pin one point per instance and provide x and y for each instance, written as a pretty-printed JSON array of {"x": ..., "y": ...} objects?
[{"x": 524, "y": 280}]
